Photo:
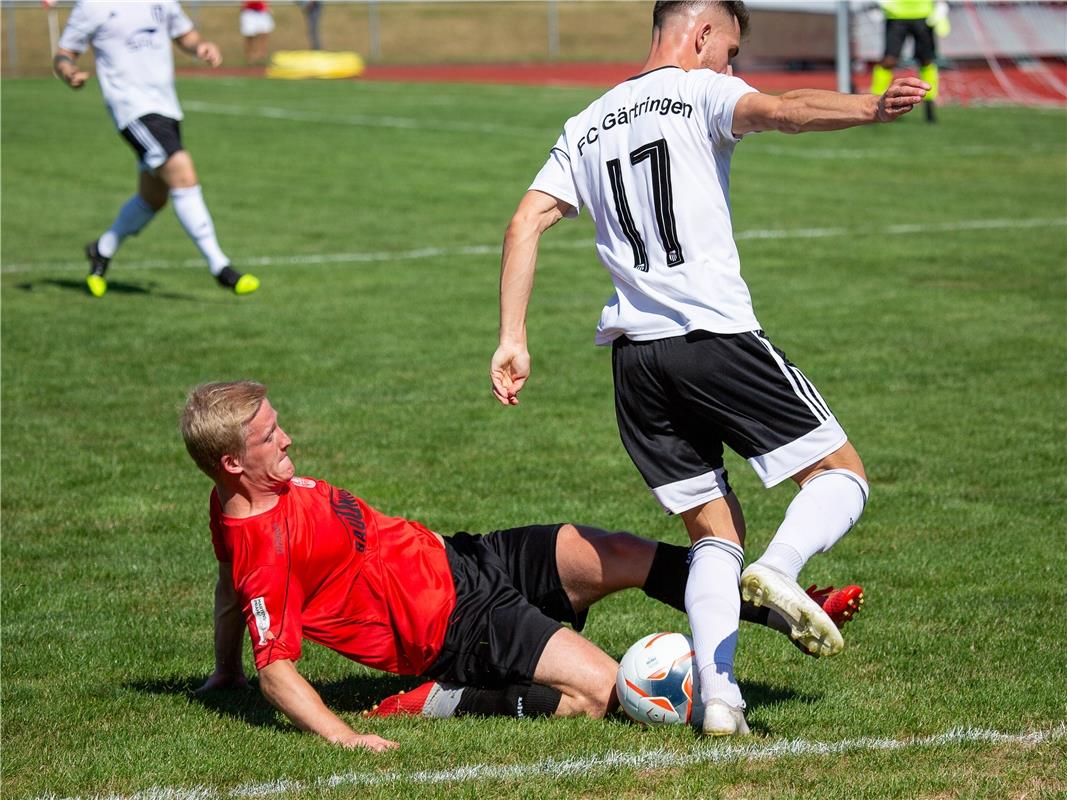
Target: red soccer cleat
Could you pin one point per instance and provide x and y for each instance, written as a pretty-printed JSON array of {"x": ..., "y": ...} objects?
[
  {"x": 841, "y": 605},
  {"x": 403, "y": 703}
]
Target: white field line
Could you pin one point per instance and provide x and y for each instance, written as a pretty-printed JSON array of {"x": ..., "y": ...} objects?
[
  {"x": 359, "y": 120},
  {"x": 702, "y": 753},
  {"x": 546, "y": 134},
  {"x": 494, "y": 249}
]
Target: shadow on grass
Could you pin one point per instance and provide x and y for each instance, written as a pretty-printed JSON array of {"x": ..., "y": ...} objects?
[
  {"x": 114, "y": 287},
  {"x": 350, "y": 695},
  {"x": 764, "y": 695},
  {"x": 358, "y": 693}
]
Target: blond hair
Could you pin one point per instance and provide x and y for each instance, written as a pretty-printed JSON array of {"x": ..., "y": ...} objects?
[{"x": 215, "y": 418}]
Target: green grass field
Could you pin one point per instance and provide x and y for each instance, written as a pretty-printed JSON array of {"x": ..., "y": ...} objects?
[{"x": 373, "y": 214}]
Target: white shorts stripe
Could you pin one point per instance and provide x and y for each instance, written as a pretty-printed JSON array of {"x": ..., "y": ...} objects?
[
  {"x": 816, "y": 411},
  {"x": 812, "y": 392},
  {"x": 155, "y": 155}
]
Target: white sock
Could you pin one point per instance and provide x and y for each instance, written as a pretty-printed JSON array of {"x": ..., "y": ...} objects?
[
  {"x": 824, "y": 510},
  {"x": 193, "y": 215},
  {"x": 713, "y": 602},
  {"x": 133, "y": 216}
]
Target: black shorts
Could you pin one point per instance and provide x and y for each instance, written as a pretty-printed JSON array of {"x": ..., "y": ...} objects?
[
  {"x": 897, "y": 30},
  {"x": 155, "y": 138},
  {"x": 679, "y": 400},
  {"x": 509, "y": 603}
]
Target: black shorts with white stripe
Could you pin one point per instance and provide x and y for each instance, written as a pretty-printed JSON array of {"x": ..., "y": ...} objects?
[
  {"x": 897, "y": 30},
  {"x": 155, "y": 138},
  {"x": 678, "y": 401}
]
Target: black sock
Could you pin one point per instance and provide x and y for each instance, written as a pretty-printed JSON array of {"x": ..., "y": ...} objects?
[
  {"x": 668, "y": 574},
  {"x": 526, "y": 701},
  {"x": 228, "y": 277},
  {"x": 755, "y": 614}
]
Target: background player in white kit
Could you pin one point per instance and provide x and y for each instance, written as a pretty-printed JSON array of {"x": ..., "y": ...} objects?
[
  {"x": 692, "y": 368},
  {"x": 135, "y": 66}
]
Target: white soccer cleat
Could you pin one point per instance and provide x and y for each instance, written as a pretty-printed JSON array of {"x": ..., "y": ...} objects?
[
  {"x": 723, "y": 719},
  {"x": 808, "y": 623}
]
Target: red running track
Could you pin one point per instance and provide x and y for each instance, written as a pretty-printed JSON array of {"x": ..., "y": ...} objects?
[{"x": 1043, "y": 83}]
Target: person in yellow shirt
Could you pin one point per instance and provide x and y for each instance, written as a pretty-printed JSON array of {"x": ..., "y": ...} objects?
[{"x": 917, "y": 19}]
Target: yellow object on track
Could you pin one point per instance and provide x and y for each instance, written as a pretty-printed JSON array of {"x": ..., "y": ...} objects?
[{"x": 302, "y": 64}]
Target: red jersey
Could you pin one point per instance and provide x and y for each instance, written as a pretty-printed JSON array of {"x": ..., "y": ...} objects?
[{"x": 325, "y": 566}]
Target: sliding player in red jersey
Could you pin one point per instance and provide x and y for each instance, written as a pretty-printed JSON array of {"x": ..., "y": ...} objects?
[{"x": 480, "y": 617}]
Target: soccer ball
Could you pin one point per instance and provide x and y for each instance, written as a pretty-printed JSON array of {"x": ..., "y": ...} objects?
[{"x": 657, "y": 681}]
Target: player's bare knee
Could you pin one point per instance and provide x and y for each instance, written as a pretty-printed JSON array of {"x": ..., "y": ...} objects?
[
  {"x": 623, "y": 548},
  {"x": 178, "y": 171}
]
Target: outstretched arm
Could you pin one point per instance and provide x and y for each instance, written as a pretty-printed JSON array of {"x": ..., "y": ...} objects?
[
  {"x": 229, "y": 636},
  {"x": 65, "y": 68},
  {"x": 287, "y": 691},
  {"x": 804, "y": 110},
  {"x": 510, "y": 367},
  {"x": 192, "y": 44}
]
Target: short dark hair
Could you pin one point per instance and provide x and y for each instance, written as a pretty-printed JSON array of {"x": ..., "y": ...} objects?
[{"x": 666, "y": 8}]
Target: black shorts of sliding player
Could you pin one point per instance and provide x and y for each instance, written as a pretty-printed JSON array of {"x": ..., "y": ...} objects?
[
  {"x": 679, "y": 400},
  {"x": 897, "y": 30},
  {"x": 509, "y": 603},
  {"x": 154, "y": 138}
]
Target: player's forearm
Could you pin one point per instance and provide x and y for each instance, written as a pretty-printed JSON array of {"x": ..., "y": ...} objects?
[
  {"x": 286, "y": 690},
  {"x": 229, "y": 630},
  {"x": 518, "y": 265},
  {"x": 808, "y": 110},
  {"x": 189, "y": 41}
]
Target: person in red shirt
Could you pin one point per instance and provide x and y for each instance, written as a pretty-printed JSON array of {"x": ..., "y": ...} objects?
[
  {"x": 479, "y": 616},
  {"x": 257, "y": 24}
]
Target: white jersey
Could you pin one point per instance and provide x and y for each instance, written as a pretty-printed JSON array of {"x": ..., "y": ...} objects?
[
  {"x": 651, "y": 161},
  {"x": 131, "y": 43}
]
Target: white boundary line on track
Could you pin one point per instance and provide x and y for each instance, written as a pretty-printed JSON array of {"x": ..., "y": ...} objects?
[
  {"x": 702, "y": 753},
  {"x": 494, "y": 249}
]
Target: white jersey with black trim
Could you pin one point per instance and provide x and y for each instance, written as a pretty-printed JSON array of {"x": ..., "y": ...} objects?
[
  {"x": 131, "y": 43},
  {"x": 651, "y": 161}
]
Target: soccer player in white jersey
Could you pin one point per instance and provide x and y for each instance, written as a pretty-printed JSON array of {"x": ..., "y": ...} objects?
[
  {"x": 650, "y": 159},
  {"x": 135, "y": 66}
]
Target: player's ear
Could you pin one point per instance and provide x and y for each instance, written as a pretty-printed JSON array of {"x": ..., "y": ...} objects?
[
  {"x": 703, "y": 35},
  {"x": 231, "y": 464}
]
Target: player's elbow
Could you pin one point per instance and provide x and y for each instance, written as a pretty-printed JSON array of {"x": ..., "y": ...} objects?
[
  {"x": 275, "y": 677},
  {"x": 521, "y": 222},
  {"x": 524, "y": 225}
]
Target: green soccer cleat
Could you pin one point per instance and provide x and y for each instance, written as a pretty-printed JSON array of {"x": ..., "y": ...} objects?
[
  {"x": 97, "y": 284},
  {"x": 95, "y": 280},
  {"x": 246, "y": 284},
  {"x": 808, "y": 623}
]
